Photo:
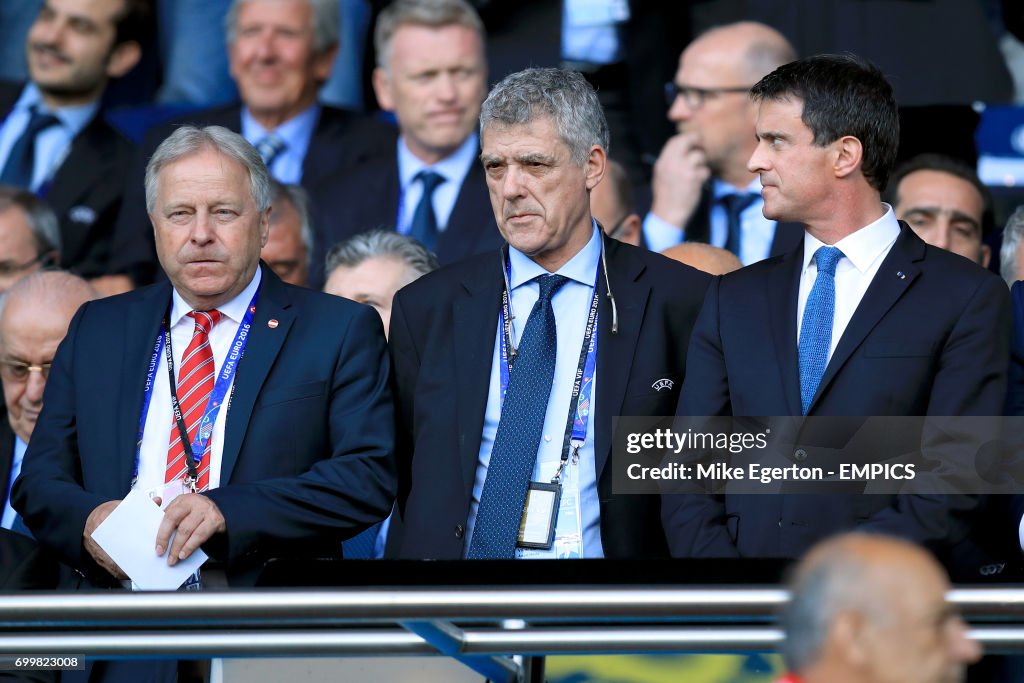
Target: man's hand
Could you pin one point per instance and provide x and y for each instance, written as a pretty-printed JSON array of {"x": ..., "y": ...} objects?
[
  {"x": 96, "y": 518},
  {"x": 192, "y": 519},
  {"x": 679, "y": 175}
]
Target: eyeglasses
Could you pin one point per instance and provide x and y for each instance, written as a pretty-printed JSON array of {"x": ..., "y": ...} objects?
[
  {"x": 694, "y": 97},
  {"x": 18, "y": 371}
]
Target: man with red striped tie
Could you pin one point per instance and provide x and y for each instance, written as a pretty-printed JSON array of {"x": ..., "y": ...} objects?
[{"x": 261, "y": 408}]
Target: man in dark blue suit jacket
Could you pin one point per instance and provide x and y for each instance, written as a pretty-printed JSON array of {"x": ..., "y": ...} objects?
[
  {"x": 916, "y": 330},
  {"x": 445, "y": 331},
  {"x": 304, "y": 458}
]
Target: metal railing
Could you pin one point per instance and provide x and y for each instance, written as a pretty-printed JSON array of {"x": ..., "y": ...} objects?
[{"x": 478, "y": 627}]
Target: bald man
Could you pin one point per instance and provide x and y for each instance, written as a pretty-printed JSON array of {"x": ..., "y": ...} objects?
[
  {"x": 714, "y": 260},
  {"x": 702, "y": 188},
  {"x": 873, "y": 609},
  {"x": 34, "y": 317}
]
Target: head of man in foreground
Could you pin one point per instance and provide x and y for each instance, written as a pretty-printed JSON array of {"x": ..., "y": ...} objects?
[{"x": 873, "y": 609}]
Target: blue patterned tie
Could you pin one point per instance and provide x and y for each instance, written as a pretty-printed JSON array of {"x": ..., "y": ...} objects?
[
  {"x": 21, "y": 161},
  {"x": 519, "y": 430},
  {"x": 816, "y": 328},
  {"x": 735, "y": 205},
  {"x": 424, "y": 222},
  {"x": 270, "y": 147}
]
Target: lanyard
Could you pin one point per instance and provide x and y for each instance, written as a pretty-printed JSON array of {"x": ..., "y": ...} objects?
[
  {"x": 583, "y": 381},
  {"x": 213, "y": 405}
]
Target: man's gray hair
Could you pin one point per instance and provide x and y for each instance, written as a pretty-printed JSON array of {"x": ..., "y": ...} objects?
[
  {"x": 299, "y": 199},
  {"x": 42, "y": 221},
  {"x": 325, "y": 17},
  {"x": 381, "y": 243},
  {"x": 189, "y": 140},
  {"x": 563, "y": 96},
  {"x": 431, "y": 13},
  {"x": 1013, "y": 235}
]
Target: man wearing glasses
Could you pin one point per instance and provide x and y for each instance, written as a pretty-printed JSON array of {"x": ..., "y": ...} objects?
[
  {"x": 29, "y": 235},
  {"x": 34, "y": 317},
  {"x": 702, "y": 190}
]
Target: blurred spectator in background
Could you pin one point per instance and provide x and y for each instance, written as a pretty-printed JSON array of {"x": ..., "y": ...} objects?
[
  {"x": 29, "y": 235},
  {"x": 702, "y": 188},
  {"x": 1011, "y": 265},
  {"x": 34, "y": 317},
  {"x": 54, "y": 140},
  {"x": 432, "y": 74},
  {"x": 945, "y": 203},
  {"x": 873, "y": 609},
  {"x": 714, "y": 260},
  {"x": 611, "y": 203},
  {"x": 291, "y": 236},
  {"x": 372, "y": 266},
  {"x": 280, "y": 52}
]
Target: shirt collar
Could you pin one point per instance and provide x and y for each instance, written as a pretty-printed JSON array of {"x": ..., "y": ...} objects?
[
  {"x": 581, "y": 267},
  {"x": 72, "y": 118},
  {"x": 296, "y": 131},
  {"x": 720, "y": 188},
  {"x": 453, "y": 167},
  {"x": 863, "y": 246},
  {"x": 234, "y": 309}
]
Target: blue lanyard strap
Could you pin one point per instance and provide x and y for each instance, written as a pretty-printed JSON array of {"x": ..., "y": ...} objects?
[
  {"x": 583, "y": 381},
  {"x": 216, "y": 400}
]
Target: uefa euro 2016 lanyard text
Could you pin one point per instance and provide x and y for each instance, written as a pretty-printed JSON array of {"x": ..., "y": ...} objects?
[
  {"x": 576, "y": 424},
  {"x": 213, "y": 405}
]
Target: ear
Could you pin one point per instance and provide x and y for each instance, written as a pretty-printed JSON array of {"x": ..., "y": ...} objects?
[
  {"x": 265, "y": 226},
  {"x": 631, "y": 230},
  {"x": 123, "y": 58},
  {"x": 382, "y": 89},
  {"x": 595, "y": 166},
  {"x": 323, "y": 63},
  {"x": 849, "y": 153},
  {"x": 986, "y": 255}
]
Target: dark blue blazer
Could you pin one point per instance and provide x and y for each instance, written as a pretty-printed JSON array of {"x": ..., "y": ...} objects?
[
  {"x": 366, "y": 198},
  {"x": 1015, "y": 388},
  {"x": 308, "y": 444},
  {"x": 442, "y": 340},
  {"x": 930, "y": 337}
]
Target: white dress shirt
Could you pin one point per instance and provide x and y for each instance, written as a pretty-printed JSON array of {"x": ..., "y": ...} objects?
[
  {"x": 160, "y": 419},
  {"x": 863, "y": 253}
]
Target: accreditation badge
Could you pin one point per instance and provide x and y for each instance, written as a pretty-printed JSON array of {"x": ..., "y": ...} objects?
[{"x": 540, "y": 512}]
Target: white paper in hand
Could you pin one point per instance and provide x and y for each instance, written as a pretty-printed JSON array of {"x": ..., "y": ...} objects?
[{"x": 128, "y": 535}]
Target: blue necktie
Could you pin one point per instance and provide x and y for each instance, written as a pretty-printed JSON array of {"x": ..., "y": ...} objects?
[
  {"x": 816, "y": 327},
  {"x": 519, "y": 430},
  {"x": 424, "y": 222},
  {"x": 735, "y": 205},
  {"x": 22, "y": 159},
  {"x": 270, "y": 147}
]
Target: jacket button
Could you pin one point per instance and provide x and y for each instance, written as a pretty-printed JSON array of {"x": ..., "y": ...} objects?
[
  {"x": 459, "y": 531},
  {"x": 800, "y": 455}
]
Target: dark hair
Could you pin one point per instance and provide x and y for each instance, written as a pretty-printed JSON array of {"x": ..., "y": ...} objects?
[
  {"x": 842, "y": 95},
  {"x": 135, "y": 22},
  {"x": 954, "y": 167}
]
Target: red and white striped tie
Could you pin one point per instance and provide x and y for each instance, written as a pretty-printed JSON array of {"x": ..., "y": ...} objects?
[{"x": 195, "y": 384}]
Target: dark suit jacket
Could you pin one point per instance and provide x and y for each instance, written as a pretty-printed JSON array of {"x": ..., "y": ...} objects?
[
  {"x": 930, "y": 337},
  {"x": 340, "y": 140},
  {"x": 1015, "y": 388},
  {"x": 308, "y": 443},
  {"x": 366, "y": 198},
  {"x": 442, "y": 340},
  {"x": 86, "y": 190},
  {"x": 788, "y": 236}
]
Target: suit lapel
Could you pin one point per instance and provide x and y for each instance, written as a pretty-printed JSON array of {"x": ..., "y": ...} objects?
[
  {"x": 261, "y": 350},
  {"x": 787, "y": 237},
  {"x": 894, "y": 277},
  {"x": 6, "y": 457},
  {"x": 782, "y": 292},
  {"x": 142, "y": 325},
  {"x": 475, "y": 314},
  {"x": 615, "y": 352}
]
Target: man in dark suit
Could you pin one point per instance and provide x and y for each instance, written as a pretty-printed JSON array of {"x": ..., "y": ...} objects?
[
  {"x": 432, "y": 74},
  {"x": 702, "y": 189},
  {"x": 34, "y": 317},
  {"x": 862, "y": 319},
  {"x": 471, "y": 448},
  {"x": 299, "y": 459},
  {"x": 53, "y": 138},
  {"x": 280, "y": 54}
]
